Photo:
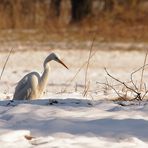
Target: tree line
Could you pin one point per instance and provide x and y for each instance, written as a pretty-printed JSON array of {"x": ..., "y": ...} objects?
[{"x": 28, "y": 14}]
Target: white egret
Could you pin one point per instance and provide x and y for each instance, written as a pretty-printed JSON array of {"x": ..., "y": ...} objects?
[{"x": 32, "y": 85}]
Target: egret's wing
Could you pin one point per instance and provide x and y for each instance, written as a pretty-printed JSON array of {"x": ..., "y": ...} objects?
[
  {"x": 22, "y": 83},
  {"x": 24, "y": 87}
]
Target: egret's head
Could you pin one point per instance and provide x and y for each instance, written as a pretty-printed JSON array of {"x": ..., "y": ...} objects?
[{"x": 54, "y": 57}]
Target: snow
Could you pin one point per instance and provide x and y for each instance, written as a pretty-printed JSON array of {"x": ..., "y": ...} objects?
[
  {"x": 74, "y": 123},
  {"x": 67, "y": 119}
]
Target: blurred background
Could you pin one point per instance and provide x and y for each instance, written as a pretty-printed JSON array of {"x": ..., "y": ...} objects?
[{"x": 72, "y": 24}]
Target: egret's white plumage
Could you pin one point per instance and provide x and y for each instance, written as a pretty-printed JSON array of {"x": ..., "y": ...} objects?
[{"x": 32, "y": 85}]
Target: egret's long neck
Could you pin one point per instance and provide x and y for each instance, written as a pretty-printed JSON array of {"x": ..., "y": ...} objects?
[{"x": 44, "y": 78}]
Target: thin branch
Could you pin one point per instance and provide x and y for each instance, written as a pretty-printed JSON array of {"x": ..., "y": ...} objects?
[
  {"x": 106, "y": 87},
  {"x": 144, "y": 95},
  {"x": 5, "y": 63},
  {"x": 86, "y": 90},
  {"x": 145, "y": 87},
  {"x": 141, "y": 81},
  {"x": 88, "y": 61},
  {"x": 134, "y": 73},
  {"x": 132, "y": 81},
  {"x": 139, "y": 68},
  {"x": 113, "y": 89},
  {"x": 121, "y": 82},
  {"x": 68, "y": 82}
]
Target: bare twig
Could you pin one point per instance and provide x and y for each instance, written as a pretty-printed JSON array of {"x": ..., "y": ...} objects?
[
  {"x": 68, "y": 82},
  {"x": 139, "y": 69},
  {"x": 134, "y": 73},
  {"x": 5, "y": 63},
  {"x": 141, "y": 81},
  {"x": 120, "y": 82},
  {"x": 86, "y": 90},
  {"x": 112, "y": 87},
  {"x": 145, "y": 87},
  {"x": 132, "y": 81},
  {"x": 138, "y": 94},
  {"x": 106, "y": 86},
  {"x": 88, "y": 61},
  {"x": 144, "y": 95},
  {"x": 73, "y": 78}
]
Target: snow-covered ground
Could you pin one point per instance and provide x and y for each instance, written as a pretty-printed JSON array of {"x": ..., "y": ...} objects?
[{"x": 67, "y": 119}]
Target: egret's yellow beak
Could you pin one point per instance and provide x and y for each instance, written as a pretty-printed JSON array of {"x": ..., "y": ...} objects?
[{"x": 62, "y": 63}]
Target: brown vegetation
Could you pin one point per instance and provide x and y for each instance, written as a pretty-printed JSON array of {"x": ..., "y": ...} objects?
[{"x": 110, "y": 19}]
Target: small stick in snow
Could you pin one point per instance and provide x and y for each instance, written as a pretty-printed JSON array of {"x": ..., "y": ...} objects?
[
  {"x": 74, "y": 77},
  {"x": 5, "y": 63},
  {"x": 112, "y": 87},
  {"x": 29, "y": 137},
  {"x": 136, "y": 72},
  {"x": 141, "y": 81},
  {"x": 87, "y": 66}
]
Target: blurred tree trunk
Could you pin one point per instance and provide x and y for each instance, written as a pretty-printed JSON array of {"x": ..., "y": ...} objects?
[
  {"x": 80, "y": 9},
  {"x": 97, "y": 7},
  {"x": 108, "y": 5},
  {"x": 41, "y": 13},
  {"x": 6, "y": 14},
  {"x": 65, "y": 12},
  {"x": 54, "y": 9},
  {"x": 24, "y": 13}
]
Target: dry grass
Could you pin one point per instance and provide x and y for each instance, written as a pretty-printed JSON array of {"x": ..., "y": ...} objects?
[
  {"x": 121, "y": 24},
  {"x": 87, "y": 83},
  {"x": 105, "y": 30},
  {"x": 137, "y": 91}
]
